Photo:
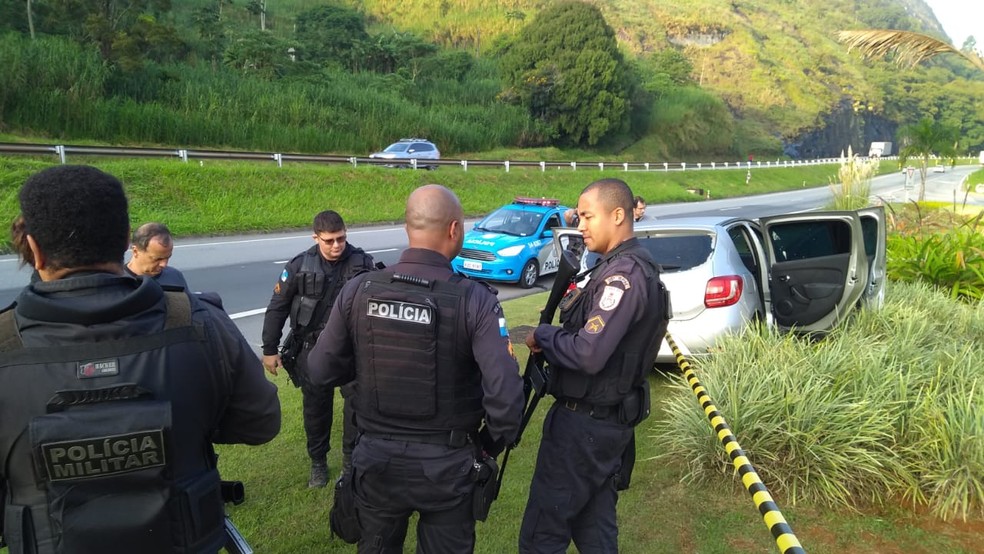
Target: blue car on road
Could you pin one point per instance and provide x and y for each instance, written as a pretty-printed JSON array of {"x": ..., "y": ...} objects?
[{"x": 513, "y": 243}]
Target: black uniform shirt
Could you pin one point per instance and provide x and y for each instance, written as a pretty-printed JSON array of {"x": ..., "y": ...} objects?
[
  {"x": 285, "y": 290},
  {"x": 332, "y": 360},
  {"x": 617, "y": 294}
]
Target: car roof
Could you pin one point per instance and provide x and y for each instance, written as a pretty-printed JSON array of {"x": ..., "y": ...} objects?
[
  {"x": 704, "y": 223},
  {"x": 533, "y": 207}
]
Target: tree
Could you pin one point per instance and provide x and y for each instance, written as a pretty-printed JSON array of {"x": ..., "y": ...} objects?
[
  {"x": 925, "y": 139},
  {"x": 910, "y": 48},
  {"x": 566, "y": 70},
  {"x": 330, "y": 33}
]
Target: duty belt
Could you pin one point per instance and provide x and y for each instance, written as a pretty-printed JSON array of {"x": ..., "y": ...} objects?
[
  {"x": 606, "y": 413},
  {"x": 456, "y": 438}
]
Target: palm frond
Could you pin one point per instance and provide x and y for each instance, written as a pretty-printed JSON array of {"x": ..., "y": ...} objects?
[{"x": 910, "y": 48}]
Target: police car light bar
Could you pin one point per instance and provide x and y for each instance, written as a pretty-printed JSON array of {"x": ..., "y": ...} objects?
[{"x": 536, "y": 201}]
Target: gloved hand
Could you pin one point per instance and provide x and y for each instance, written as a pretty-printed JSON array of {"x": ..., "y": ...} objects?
[{"x": 491, "y": 447}]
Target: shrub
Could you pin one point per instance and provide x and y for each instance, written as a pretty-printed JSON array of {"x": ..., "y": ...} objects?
[{"x": 882, "y": 408}]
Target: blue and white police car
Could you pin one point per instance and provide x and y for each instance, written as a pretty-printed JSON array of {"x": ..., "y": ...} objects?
[{"x": 514, "y": 243}]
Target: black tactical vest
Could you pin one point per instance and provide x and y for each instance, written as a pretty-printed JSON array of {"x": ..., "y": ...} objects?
[
  {"x": 415, "y": 368},
  {"x": 316, "y": 290},
  {"x": 120, "y": 458},
  {"x": 627, "y": 368}
]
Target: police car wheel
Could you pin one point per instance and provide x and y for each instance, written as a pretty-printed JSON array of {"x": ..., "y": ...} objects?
[{"x": 531, "y": 272}]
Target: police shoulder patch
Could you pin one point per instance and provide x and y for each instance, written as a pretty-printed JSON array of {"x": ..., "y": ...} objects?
[
  {"x": 610, "y": 298},
  {"x": 284, "y": 275},
  {"x": 594, "y": 325}
]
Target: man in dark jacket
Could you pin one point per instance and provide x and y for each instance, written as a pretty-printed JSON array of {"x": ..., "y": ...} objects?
[
  {"x": 611, "y": 331},
  {"x": 112, "y": 390},
  {"x": 429, "y": 354},
  {"x": 305, "y": 292},
  {"x": 150, "y": 255}
]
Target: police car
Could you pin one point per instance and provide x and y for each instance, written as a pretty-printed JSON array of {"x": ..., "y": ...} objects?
[{"x": 513, "y": 243}]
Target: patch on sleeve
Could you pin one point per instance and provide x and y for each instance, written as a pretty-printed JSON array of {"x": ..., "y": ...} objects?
[
  {"x": 594, "y": 325},
  {"x": 610, "y": 298},
  {"x": 618, "y": 279},
  {"x": 276, "y": 288},
  {"x": 503, "y": 329},
  {"x": 284, "y": 275}
]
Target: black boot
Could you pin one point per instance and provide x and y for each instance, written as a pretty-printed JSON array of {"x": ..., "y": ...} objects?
[{"x": 319, "y": 475}]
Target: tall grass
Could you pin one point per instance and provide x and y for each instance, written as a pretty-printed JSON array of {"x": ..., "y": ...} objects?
[
  {"x": 59, "y": 89},
  {"x": 884, "y": 408},
  {"x": 852, "y": 185}
]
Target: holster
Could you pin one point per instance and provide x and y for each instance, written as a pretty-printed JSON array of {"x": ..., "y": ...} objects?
[
  {"x": 624, "y": 476},
  {"x": 289, "y": 352},
  {"x": 483, "y": 474},
  {"x": 342, "y": 518}
]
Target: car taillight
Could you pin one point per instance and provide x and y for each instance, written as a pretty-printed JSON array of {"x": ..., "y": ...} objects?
[{"x": 723, "y": 291}]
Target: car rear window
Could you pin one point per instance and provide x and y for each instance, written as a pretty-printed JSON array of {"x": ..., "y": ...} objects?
[{"x": 679, "y": 252}]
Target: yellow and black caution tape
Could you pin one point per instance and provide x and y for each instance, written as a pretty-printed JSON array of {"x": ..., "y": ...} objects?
[{"x": 781, "y": 531}]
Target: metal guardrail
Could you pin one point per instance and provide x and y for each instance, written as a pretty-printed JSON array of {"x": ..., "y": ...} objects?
[{"x": 185, "y": 154}]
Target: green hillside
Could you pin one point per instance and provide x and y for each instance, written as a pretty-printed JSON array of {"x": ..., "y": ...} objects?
[{"x": 697, "y": 79}]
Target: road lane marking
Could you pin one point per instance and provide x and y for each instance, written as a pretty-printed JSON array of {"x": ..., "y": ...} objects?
[
  {"x": 247, "y": 313},
  {"x": 270, "y": 239}
]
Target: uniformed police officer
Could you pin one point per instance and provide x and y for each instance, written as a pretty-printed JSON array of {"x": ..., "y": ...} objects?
[
  {"x": 150, "y": 255},
  {"x": 611, "y": 333},
  {"x": 429, "y": 353},
  {"x": 112, "y": 390},
  {"x": 305, "y": 292}
]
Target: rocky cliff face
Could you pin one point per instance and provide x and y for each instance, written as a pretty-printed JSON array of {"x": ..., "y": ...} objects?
[{"x": 844, "y": 127}]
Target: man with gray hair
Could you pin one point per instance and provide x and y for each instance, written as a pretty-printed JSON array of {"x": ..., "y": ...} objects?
[{"x": 150, "y": 253}]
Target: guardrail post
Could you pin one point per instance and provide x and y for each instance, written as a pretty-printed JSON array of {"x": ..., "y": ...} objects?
[
  {"x": 626, "y": 166},
  {"x": 647, "y": 166},
  {"x": 725, "y": 164},
  {"x": 506, "y": 163},
  {"x": 279, "y": 159},
  {"x": 354, "y": 161},
  {"x": 60, "y": 150},
  {"x": 699, "y": 165},
  {"x": 601, "y": 166},
  {"x": 713, "y": 165},
  {"x": 413, "y": 163},
  {"x": 573, "y": 166},
  {"x": 666, "y": 166},
  {"x": 464, "y": 165},
  {"x": 543, "y": 166},
  {"x": 183, "y": 154},
  {"x": 683, "y": 165}
]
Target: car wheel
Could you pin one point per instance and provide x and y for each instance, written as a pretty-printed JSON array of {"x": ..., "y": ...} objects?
[{"x": 531, "y": 272}]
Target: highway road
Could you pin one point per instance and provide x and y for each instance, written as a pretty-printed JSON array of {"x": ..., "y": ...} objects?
[{"x": 243, "y": 269}]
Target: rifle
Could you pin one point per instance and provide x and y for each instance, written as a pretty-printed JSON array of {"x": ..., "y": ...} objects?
[
  {"x": 289, "y": 351},
  {"x": 234, "y": 492},
  {"x": 536, "y": 378}
]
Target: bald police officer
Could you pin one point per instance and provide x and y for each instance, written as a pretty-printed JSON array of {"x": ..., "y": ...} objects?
[
  {"x": 612, "y": 329},
  {"x": 112, "y": 390},
  {"x": 429, "y": 353}
]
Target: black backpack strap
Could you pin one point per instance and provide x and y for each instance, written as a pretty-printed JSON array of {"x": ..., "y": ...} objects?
[
  {"x": 9, "y": 337},
  {"x": 178, "y": 309}
]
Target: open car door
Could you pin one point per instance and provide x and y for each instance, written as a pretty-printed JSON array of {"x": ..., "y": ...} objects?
[
  {"x": 818, "y": 268},
  {"x": 873, "y": 227}
]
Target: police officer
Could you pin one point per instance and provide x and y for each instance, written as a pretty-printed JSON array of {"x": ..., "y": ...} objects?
[
  {"x": 429, "y": 353},
  {"x": 611, "y": 333},
  {"x": 305, "y": 292},
  {"x": 150, "y": 254},
  {"x": 112, "y": 390}
]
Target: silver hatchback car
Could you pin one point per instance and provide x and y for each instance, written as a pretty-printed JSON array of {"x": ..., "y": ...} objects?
[
  {"x": 408, "y": 151},
  {"x": 800, "y": 271}
]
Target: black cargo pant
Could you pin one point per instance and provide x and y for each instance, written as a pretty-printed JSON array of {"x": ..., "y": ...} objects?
[
  {"x": 317, "y": 405},
  {"x": 573, "y": 494},
  {"x": 395, "y": 478}
]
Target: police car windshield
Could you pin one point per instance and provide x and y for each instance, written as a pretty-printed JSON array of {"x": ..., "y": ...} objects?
[{"x": 511, "y": 221}]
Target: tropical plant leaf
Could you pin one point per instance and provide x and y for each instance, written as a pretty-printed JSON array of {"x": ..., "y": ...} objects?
[{"x": 910, "y": 48}]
